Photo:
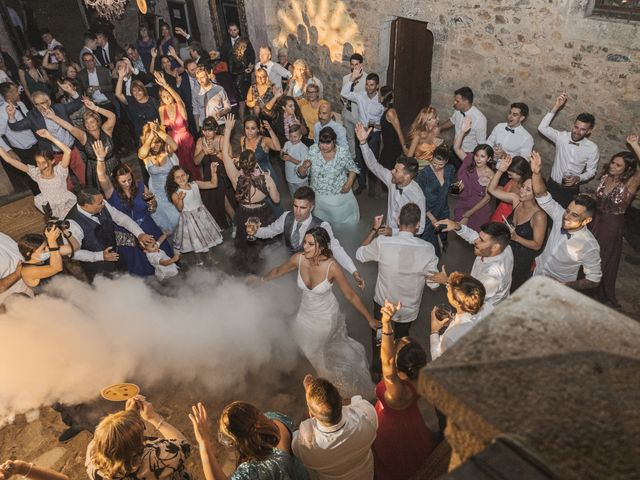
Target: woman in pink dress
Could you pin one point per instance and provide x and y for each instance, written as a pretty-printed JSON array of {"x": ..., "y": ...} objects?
[
  {"x": 173, "y": 115},
  {"x": 403, "y": 441}
]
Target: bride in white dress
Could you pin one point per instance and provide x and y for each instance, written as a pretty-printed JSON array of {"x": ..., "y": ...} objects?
[{"x": 319, "y": 327}]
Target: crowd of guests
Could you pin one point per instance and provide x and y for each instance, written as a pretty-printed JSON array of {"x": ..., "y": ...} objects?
[{"x": 65, "y": 128}]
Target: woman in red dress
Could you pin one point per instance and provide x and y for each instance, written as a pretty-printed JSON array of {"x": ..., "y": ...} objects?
[
  {"x": 403, "y": 441},
  {"x": 173, "y": 115}
]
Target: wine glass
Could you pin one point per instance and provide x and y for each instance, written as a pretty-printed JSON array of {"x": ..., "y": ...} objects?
[{"x": 252, "y": 224}]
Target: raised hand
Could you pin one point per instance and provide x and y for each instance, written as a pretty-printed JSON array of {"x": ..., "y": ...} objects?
[
  {"x": 632, "y": 140},
  {"x": 449, "y": 225},
  {"x": 560, "y": 101},
  {"x": 100, "y": 150},
  {"x": 389, "y": 309},
  {"x": 505, "y": 163},
  {"x": 66, "y": 87},
  {"x": 229, "y": 122},
  {"x": 11, "y": 110},
  {"x": 49, "y": 113},
  {"x": 88, "y": 103},
  {"x": 180, "y": 31},
  {"x": 377, "y": 222},
  {"x": 160, "y": 80},
  {"x": 535, "y": 162},
  {"x": 122, "y": 70},
  {"x": 199, "y": 421},
  {"x": 172, "y": 51},
  {"x": 362, "y": 133},
  {"x": 466, "y": 125},
  {"x": 154, "y": 52},
  {"x": 357, "y": 73}
]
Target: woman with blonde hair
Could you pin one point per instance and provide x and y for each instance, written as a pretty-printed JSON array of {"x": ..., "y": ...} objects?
[
  {"x": 424, "y": 136},
  {"x": 262, "y": 442},
  {"x": 119, "y": 448},
  {"x": 302, "y": 77}
]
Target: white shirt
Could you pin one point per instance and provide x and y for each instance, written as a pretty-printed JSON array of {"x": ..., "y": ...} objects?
[
  {"x": 581, "y": 159},
  {"x": 519, "y": 142},
  {"x": 211, "y": 102},
  {"x": 369, "y": 109},
  {"x": 478, "y": 132},
  {"x": 298, "y": 151},
  {"x": 359, "y": 87},
  {"x": 396, "y": 198},
  {"x": 341, "y": 132},
  {"x": 562, "y": 257},
  {"x": 118, "y": 218},
  {"x": 9, "y": 258},
  {"x": 403, "y": 263},
  {"x": 162, "y": 272},
  {"x": 22, "y": 139},
  {"x": 343, "y": 451},
  {"x": 275, "y": 71},
  {"x": 277, "y": 227},
  {"x": 493, "y": 272},
  {"x": 461, "y": 324},
  {"x": 98, "y": 96}
]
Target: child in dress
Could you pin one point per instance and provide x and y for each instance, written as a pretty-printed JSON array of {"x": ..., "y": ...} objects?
[
  {"x": 197, "y": 231},
  {"x": 294, "y": 153},
  {"x": 165, "y": 267}
]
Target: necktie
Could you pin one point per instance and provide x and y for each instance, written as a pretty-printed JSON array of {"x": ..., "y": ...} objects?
[
  {"x": 106, "y": 55},
  {"x": 463, "y": 114},
  {"x": 399, "y": 189},
  {"x": 564, "y": 231},
  {"x": 20, "y": 110},
  {"x": 574, "y": 143},
  {"x": 295, "y": 237},
  {"x": 510, "y": 129},
  {"x": 97, "y": 217}
]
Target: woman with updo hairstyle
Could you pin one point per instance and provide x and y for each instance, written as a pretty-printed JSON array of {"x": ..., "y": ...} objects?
[
  {"x": 393, "y": 143},
  {"x": 262, "y": 442},
  {"x": 253, "y": 188},
  {"x": 319, "y": 327},
  {"x": 121, "y": 450},
  {"x": 403, "y": 440}
]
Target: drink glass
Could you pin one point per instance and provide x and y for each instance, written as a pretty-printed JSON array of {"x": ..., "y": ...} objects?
[
  {"x": 455, "y": 189},
  {"x": 252, "y": 225},
  {"x": 444, "y": 311},
  {"x": 148, "y": 198}
]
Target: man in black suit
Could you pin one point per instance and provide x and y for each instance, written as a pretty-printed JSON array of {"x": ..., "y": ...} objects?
[
  {"x": 196, "y": 51},
  {"x": 39, "y": 118},
  {"x": 107, "y": 53},
  {"x": 227, "y": 45}
]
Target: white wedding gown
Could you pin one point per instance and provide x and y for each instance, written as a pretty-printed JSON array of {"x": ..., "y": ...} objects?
[{"x": 321, "y": 333}]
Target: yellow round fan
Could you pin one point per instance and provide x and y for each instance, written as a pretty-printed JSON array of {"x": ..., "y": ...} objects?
[{"x": 119, "y": 392}]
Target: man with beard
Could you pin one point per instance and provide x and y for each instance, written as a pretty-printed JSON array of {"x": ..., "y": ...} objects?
[{"x": 576, "y": 156}]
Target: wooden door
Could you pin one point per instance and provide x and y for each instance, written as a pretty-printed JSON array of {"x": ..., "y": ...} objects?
[{"x": 409, "y": 70}]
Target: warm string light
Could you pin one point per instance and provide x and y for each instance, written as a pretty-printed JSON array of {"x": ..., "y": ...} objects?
[
  {"x": 328, "y": 18},
  {"x": 109, "y": 9}
]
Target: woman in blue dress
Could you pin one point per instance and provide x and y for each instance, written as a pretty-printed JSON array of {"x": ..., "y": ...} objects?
[
  {"x": 435, "y": 180},
  {"x": 158, "y": 154},
  {"x": 262, "y": 442},
  {"x": 128, "y": 196}
]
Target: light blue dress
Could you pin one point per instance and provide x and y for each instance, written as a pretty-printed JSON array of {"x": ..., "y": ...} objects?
[
  {"x": 280, "y": 465},
  {"x": 166, "y": 215},
  {"x": 326, "y": 178}
]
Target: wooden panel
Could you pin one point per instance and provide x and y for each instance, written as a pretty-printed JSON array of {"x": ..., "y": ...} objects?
[{"x": 20, "y": 217}]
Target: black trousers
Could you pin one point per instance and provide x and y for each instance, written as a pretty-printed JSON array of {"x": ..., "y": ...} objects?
[
  {"x": 20, "y": 180},
  {"x": 399, "y": 330},
  {"x": 562, "y": 193},
  {"x": 374, "y": 144}
]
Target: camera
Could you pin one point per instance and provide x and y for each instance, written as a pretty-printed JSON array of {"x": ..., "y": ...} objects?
[{"x": 51, "y": 221}]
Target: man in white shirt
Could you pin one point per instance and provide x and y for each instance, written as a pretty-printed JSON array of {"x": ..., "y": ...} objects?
[
  {"x": 350, "y": 114},
  {"x": 494, "y": 259},
  {"x": 511, "y": 137},
  {"x": 275, "y": 71},
  {"x": 10, "y": 267},
  {"x": 402, "y": 188},
  {"x": 404, "y": 261},
  {"x": 570, "y": 244},
  {"x": 295, "y": 223},
  {"x": 97, "y": 81},
  {"x": 47, "y": 38},
  {"x": 335, "y": 442},
  {"x": 576, "y": 158},
  {"x": 325, "y": 119},
  {"x": 466, "y": 295},
  {"x": 212, "y": 99},
  {"x": 370, "y": 112},
  {"x": 463, "y": 107},
  {"x": 92, "y": 222}
]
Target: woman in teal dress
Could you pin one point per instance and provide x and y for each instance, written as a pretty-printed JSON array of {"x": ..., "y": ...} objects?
[{"x": 262, "y": 442}]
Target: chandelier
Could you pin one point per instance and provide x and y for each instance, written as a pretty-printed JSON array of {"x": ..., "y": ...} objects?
[{"x": 109, "y": 9}]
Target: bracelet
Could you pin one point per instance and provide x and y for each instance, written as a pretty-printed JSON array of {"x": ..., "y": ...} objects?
[
  {"x": 54, "y": 249},
  {"x": 157, "y": 427},
  {"x": 390, "y": 333},
  {"x": 26, "y": 475},
  {"x": 374, "y": 230}
]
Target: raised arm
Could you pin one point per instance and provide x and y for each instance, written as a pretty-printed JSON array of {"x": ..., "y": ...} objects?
[
  {"x": 288, "y": 266},
  {"x": 32, "y": 274},
  {"x": 213, "y": 183},
  {"x": 336, "y": 274},
  {"x": 173, "y": 54},
  {"x": 544, "y": 127},
  {"x": 537, "y": 183},
  {"x": 494, "y": 188},
  {"x": 46, "y": 63},
  {"x": 457, "y": 142},
  {"x": 152, "y": 65},
  {"x": 274, "y": 194},
  {"x": 162, "y": 82},
  {"x": 103, "y": 178},
  {"x": 229, "y": 166},
  {"x": 392, "y": 116},
  {"x": 66, "y": 151},
  {"x": 397, "y": 391},
  {"x": 634, "y": 182},
  {"x": 145, "y": 147},
  {"x": 272, "y": 142},
  {"x": 22, "y": 76},
  {"x": 14, "y": 162},
  {"x": 376, "y": 168},
  {"x": 210, "y": 465},
  {"x": 122, "y": 70},
  {"x": 78, "y": 133},
  {"x": 109, "y": 124}
]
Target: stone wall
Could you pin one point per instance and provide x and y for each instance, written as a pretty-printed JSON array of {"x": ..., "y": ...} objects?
[{"x": 506, "y": 51}]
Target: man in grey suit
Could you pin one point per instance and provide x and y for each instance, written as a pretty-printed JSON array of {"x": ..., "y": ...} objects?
[{"x": 97, "y": 82}]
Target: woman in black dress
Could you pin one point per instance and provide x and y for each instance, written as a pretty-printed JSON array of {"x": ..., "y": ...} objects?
[
  {"x": 241, "y": 69},
  {"x": 221, "y": 201},
  {"x": 392, "y": 138}
]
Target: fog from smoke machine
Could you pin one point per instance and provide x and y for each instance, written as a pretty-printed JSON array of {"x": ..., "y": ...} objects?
[{"x": 69, "y": 343}]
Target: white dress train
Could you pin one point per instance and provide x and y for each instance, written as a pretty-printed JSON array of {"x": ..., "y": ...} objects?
[{"x": 321, "y": 333}]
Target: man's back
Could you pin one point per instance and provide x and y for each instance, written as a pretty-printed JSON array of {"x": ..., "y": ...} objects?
[{"x": 343, "y": 451}]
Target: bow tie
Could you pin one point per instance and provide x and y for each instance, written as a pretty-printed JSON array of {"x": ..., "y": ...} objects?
[
  {"x": 574, "y": 143},
  {"x": 399, "y": 189},
  {"x": 262, "y": 65},
  {"x": 564, "y": 231},
  {"x": 512, "y": 130}
]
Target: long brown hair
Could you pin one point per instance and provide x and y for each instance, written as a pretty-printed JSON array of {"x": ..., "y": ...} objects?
[
  {"x": 255, "y": 436},
  {"x": 247, "y": 163},
  {"x": 121, "y": 170}
]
